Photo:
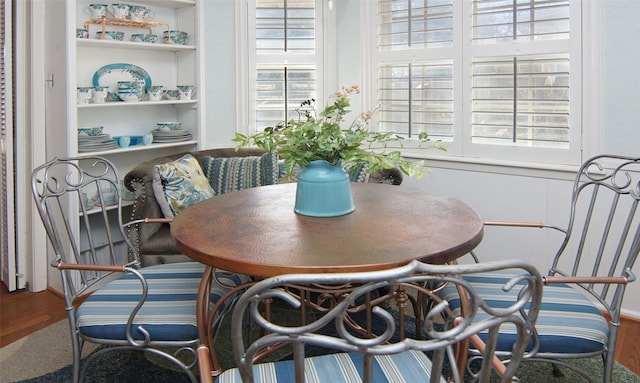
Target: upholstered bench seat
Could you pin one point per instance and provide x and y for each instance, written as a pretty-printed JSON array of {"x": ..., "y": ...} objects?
[
  {"x": 105, "y": 313},
  {"x": 589, "y": 335},
  {"x": 226, "y": 170},
  {"x": 409, "y": 366}
]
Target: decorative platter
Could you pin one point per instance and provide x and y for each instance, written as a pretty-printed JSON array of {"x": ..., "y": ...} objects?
[{"x": 110, "y": 74}]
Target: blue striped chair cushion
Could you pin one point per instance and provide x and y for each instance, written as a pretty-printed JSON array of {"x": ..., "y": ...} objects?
[
  {"x": 409, "y": 366},
  {"x": 567, "y": 317},
  {"x": 169, "y": 313}
]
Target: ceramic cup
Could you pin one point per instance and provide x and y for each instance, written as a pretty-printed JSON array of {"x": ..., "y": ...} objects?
[
  {"x": 120, "y": 11},
  {"x": 156, "y": 92},
  {"x": 85, "y": 201},
  {"x": 123, "y": 141},
  {"x": 186, "y": 92},
  {"x": 139, "y": 12},
  {"x": 144, "y": 38},
  {"x": 172, "y": 94},
  {"x": 100, "y": 94},
  {"x": 175, "y": 37},
  {"x": 147, "y": 139},
  {"x": 82, "y": 33},
  {"x": 109, "y": 197},
  {"x": 84, "y": 95},
  {"x": 96, "y": 11},
  {"x": 131, "y": 91},
  {"x": 110, "y": 35}
]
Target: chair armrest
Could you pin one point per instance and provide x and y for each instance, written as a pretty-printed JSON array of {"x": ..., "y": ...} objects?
[
  {"x": 514, "y": 224},
  {"x": 549, "y": 279},
  {"x": 88, "y": 267},
  {"x": 535, "y": 225}
]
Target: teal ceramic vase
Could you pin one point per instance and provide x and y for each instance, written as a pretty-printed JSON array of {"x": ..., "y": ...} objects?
[{"x": 323, "y": 190}]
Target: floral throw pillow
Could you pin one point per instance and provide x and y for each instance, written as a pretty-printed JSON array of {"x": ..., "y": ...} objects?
[{"x": 180, "y": 184}]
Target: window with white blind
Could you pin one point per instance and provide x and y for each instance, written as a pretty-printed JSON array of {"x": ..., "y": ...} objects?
[
  {"x": 492, "y": 78},
  {"x": 284, "y": 58}
]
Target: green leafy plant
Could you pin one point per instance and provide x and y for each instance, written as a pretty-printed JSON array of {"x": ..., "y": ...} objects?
[{"x": 321, "y": 137}]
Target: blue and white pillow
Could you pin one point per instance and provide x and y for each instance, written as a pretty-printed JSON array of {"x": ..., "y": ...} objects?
[{"x": 180, "y": 184}]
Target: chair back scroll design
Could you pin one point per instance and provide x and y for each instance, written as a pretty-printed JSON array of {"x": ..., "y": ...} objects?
[
  {"x": 64, "y": 191},
  {"x": 434, "y": 340},
  {"x": 609, "y": 184},
  {"x": 109, "y": 299},
  {"x": 591, "y": 268}
]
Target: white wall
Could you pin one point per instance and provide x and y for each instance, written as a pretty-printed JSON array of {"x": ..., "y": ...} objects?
[{"x": 620, "y": 76}]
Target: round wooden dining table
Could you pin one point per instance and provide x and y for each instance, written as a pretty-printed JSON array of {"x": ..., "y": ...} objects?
[{"x": 256, "y": 232}]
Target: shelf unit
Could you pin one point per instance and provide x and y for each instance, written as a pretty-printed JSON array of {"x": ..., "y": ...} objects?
[
  {"x": 72, "y": 62},
  {"x": 169, "y": 65}
]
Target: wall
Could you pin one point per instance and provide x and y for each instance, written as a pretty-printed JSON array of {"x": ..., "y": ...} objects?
[
  {"x": 620, "y": 76},
  {"x": 495, "y": 195}
]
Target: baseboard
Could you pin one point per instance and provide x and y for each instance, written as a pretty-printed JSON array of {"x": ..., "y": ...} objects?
[
  {"x": 628, "y": 347},
  {"x": 55, "y": 292}
]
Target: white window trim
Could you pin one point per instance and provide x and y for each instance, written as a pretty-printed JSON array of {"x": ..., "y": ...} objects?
[{"x": 589, "y": 120}]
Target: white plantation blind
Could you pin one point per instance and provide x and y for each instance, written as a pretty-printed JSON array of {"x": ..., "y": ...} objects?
[
  {"x": 285, "y": 26},
  {"x": 279, "y": 91},
  {"x": 286, "y": 57},
  {"x": 506, "y": 20},
  {"x": 482, "y": 75},
  {"x": 415, "y": 24},
  {"x": 416, "y": 98},
  {"x": 521, "y": 100}
]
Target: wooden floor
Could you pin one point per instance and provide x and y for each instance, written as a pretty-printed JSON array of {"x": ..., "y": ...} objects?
[{"x": 24, "y": 312}]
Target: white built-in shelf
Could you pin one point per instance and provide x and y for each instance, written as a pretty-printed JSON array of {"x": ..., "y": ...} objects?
[
  {"x": 137, "y": 148},
  {"x": 119, "y": 104},
  {"x": 157, "y": 46}
]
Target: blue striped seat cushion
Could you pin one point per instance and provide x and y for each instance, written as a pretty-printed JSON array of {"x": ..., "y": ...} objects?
[
  {"x": 568, "y": 321},
  {"x": 409, "y": 366},
  {"x": 169, "y": 313}
]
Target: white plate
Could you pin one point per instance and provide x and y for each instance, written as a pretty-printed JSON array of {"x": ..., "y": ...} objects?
[
  {"x": 102, "y": 146},
  {"x": 100, "y": 138},
  {"x": 172, "y": 139},
  {"x": 169, "y": 133}
]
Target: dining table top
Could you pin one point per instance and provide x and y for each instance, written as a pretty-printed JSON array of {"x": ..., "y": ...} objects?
[{"x": 256, "y": 231}]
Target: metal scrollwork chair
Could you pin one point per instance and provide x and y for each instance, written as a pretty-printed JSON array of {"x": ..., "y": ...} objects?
[
  {"x": 381, "y": 354},
  {"x": 585, "y": 285},
  {"x": 109, "y": 299}
]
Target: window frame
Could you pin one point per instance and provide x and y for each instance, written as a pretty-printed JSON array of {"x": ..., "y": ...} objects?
[
  {"x": 585, "y": 125},
  {"x": 457, "y": 156}
]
